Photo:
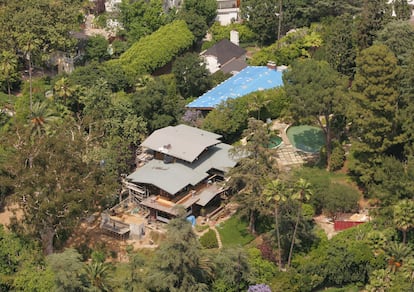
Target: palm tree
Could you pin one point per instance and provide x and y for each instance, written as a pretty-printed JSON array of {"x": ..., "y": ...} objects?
[
  {"x": 98, "y": 276},
  {"x": 404, "y": 217},
  {"x": 41, "y": 117},
  {"x": 257, "y": 103},
  {"x": 274, "y": 192},
  {"x": 303, "y": 193},
  {"x": 8, "y": 67},
  {"x": 63, "y": 89},
  {"x": 397, "y": 253}
]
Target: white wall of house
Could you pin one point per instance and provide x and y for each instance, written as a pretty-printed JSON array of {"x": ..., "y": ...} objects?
[
  {"x": 212, "y": 63},
  {"x": 226, "y": 16},
  {"x": 112, "y": 5}
]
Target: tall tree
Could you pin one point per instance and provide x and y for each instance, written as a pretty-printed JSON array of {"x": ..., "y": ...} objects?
[
  {"x": 57, "y": 183},
  {"x": 98, "y": 275},
  {"x": 374, "y": 15},
  {"x": 191, "y": 75},
  {"x": 140, "y": 18},
  {"x": 8, "y": 69},
  {"x": 64, "y": 89},
  {"x": 402, "y": 9},
  {"x": 254, "y": 167},
  {"x": 41, "y": 118},
  {"x": 159, "y": 104},
  {"x": 178, "y": 260},
  {"x": 318, "y": 92},
  {"x": 404, "y": 217},
  {"x": 398, "y": 36},
  {"x": 262, "y": 19},
  {"x": 206, "y": 8},
  {"x": 303, "y": 193},
  {"x": 276, "y": 193},
  {"x": 68, "y": 270},
  {"x": 340, "y": 51},
  {"x": 374, "y": 109}
]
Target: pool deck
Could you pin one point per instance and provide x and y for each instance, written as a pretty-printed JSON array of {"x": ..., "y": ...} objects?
[{"x": 287, "y": 156}]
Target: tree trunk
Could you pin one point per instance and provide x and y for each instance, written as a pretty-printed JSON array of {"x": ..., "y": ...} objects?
[
  {"x": 252, "y": 222},
  {"x": 30, "y": 84},
  {"x": 47, "y": 235},
  {"x": 328, "y": 143},
  {"x": 294, "y": 235},
  {"x": 404, "y": 232},
  {"x": 279, "y": 253}
]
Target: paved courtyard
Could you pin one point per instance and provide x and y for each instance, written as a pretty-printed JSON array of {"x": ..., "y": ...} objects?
[{"x": 286, "y": 155}]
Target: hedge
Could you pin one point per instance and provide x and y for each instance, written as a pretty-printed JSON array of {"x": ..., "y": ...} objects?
[{"x": 157, "y": 49}]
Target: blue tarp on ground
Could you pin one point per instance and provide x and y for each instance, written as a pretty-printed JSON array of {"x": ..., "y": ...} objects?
[
  {"x": 191, "y": 219},
  {"x": 250, "y": 79}
]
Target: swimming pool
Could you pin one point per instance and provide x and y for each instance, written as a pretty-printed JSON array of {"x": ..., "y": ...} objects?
[
  {"x": 274, "y": 142},
  {"x": 306, "y": 138}
]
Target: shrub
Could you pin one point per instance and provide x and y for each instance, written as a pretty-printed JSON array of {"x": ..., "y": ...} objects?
[
  {"x": 337, "y": 157},
  {"x": 209, "y": 240}
]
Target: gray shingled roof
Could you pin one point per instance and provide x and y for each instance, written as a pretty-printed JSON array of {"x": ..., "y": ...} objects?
[
  {"x": 225, "y": 50},
  {"x": 183, "y": 142},
  {"x": 173, "y": 177}
]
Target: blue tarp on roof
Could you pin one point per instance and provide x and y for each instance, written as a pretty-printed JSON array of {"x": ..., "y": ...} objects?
[{"x": 250, "y": 79}]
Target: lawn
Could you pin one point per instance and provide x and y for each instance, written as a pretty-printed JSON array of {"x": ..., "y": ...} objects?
[{"x": 233, "y": 232}]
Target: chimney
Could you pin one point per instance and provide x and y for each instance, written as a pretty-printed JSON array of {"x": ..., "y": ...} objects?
[
  {"x": 271, "y": 65},
  {"x": 234, "y": 37}
]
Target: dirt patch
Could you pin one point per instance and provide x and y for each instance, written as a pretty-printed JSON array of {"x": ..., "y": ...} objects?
[
  {"x": 326, "y": 224},
  {"x": 89, "y": 237},
  {"x": 9, "y": 212}
]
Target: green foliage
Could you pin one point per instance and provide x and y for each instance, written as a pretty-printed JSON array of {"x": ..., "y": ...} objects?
[
  {"x": 141, "y": 18},
  {"x": 56, "y": 205},
  {"x": 233, "y": 232},
  {"x": 337, "y": 157},
  {"x": 232, "y": 270},
  {"x": 47, "y": 31},
  {"x": 178, "y": 260},
  {"x": 8, "y": 71},
  {"x": 402, "y": 9},
  {"x": 261, "y": 19},
  {"x": 97, "y": 49},
  {"x": 154, "y": 51},
  {"x": 299, "y": 43},
  {"x": 158, "y": 103},
  {"x": 67, "y": 268},
  {"x": 220, "y": 32},
  {"x": 374, "y": 15},
  {"x": 115, "y": 76},
  {"x": 317, "y": 92},
  {"x": 209, "y": 239},
  {"x": 339, "y": 48},
  {"x": 205, "y": 8},
  {"x": 373, "y": 110},
  {"x": 261, "y": 270},
  {"x": 398, "y": 36},
  {"x": 195, "y": 22},
  {"x": 330, "y": 194},
  {"x": 192, "y": 77}
]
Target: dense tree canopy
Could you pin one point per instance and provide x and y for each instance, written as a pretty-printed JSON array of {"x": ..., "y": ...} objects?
[
  {"x": 374, "y": 108},
  {"x": 326, "y": 101}
]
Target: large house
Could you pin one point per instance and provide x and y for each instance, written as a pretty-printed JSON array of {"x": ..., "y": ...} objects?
[
  {"x": 248, "y": 80},
  {"x": 180, "y": 165},
  {"x": 226, "y": 56},
  {"x": 227, "y": 11}
]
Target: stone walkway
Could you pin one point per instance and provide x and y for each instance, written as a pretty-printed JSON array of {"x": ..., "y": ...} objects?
[
  {"x": 286, "y": 155},
  {"x": 220, "y": 244}
]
